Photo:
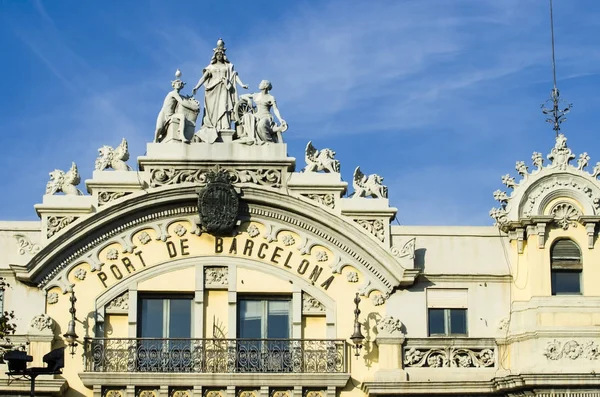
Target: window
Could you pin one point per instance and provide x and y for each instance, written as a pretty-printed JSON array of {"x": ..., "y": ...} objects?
[
  {"x": 160, "y": 318},
  {"x": 260, "y": 319},
  {"x": 447, "y": 311},
  {"x": 566, "y": 267},
  {"x": 447, "y": 322}
]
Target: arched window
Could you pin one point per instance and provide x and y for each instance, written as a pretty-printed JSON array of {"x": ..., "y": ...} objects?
[{"x": 565, "y": 260}]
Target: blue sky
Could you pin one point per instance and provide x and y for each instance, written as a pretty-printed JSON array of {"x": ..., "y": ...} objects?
[{"x": 439, "y": 97}]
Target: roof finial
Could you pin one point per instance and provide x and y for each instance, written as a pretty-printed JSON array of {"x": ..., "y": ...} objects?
[{"x": 557, "y": 114}]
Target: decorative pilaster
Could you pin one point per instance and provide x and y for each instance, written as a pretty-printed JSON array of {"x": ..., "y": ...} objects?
[{"x": 390, "y": 339}]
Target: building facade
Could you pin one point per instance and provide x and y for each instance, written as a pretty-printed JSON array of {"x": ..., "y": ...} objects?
[{"x": 221, "y": 269}]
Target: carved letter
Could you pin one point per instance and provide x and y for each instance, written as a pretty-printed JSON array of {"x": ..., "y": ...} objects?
[
  {"x": 316, "y": 272},
  {"x": 103, "y": 277},
  {"x": 128, "y": 265},
  {"x": 233, "y": 248},
  {"x": 139, "y": 255},
  {"x": 218, "y": 245},
  {"x": 261, "y": 254},
  {"x": 248, "y": 247},
  {"x": 116, "y": 272},
  {"x": 327, "y": 282},
  {"x": 287, "y": 261},
  {"x": 184, "y": 247},
  {"x": 171, "y": 249},
  {"x": 276, "y": 255},
  {"x": 303, "y": 266}
]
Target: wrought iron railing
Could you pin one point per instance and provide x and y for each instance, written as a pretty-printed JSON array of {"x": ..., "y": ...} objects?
[
  {"x": 451, "y": 352},
  {"x": 215, "y": 355}
]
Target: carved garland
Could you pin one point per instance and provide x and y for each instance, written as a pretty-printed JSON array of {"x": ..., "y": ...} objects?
[
  {"x": 572, "y": 349},
  {"x": 264, "y": 177},
  {"x": 326, "y": 199},
  {"x": 57, "y": 223},
  {"x": 449, "y": 357},
  {"x": 373, "y": 226},
  {"x": 106, "y": 197}
]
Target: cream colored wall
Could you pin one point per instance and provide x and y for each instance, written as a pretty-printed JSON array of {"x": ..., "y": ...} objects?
[
  {"x": 313, "y": 327},
  {"x": 215, "y": 313},
  {"x": 116, "y": 326}
]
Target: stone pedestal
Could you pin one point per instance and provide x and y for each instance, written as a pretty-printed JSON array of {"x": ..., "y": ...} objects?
[
  {"x": 58, "y": 212},
  {"x": 324, "y": 188},
  {"x": 109, "y": 186},
  {"x": 373, "y": 214}
]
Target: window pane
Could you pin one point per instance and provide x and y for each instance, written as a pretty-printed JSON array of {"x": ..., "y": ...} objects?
[
  {"x": 151, "y": 321},
  {"x": 458, "y": 321},
  {"x": 278, "y": 321},
  {"x": 436, "y": 322},
  {"x": 180, "y": 318},
  {"x": 566, "y": 282},
  {"x": 250, "y": 316}
]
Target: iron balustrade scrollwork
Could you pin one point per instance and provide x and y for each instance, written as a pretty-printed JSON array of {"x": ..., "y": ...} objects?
[{"x": 215, "y": 355}]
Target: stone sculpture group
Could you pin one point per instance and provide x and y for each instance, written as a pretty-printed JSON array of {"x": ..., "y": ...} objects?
[{"x": 227, "y": 116}]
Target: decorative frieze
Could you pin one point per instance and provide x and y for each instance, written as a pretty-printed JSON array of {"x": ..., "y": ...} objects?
[
  {"x": 216, "y": 277},
  {"x": 573, "y": 350},
  {"x": 326, "y": 199},
  {"x": 311, "y": 305},
  {"x": 26, "y": 246},
  {"x": 449, "y": 357},
  {"x": 105, "y": 197},
  {"x": 119, "y": 305},
  {"x": 171, "y": 176},
  {"x": 56, "y": 223},
  {"x": 373, "y": 226}
]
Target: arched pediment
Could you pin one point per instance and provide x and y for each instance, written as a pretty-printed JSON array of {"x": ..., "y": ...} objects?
[{"x": 120, "y": 234}]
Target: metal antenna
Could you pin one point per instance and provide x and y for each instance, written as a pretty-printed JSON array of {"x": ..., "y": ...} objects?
[{"x": 557, "y": 114}]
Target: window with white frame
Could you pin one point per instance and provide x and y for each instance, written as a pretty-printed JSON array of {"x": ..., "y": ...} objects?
[
  {"x": 447, "y": 312},
  {"x": 566, "y": 268}
]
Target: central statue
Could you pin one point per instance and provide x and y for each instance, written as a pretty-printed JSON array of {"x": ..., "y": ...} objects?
[{"x": 219, "y": 79}]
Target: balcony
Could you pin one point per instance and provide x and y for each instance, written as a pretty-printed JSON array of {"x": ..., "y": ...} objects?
[{"x": 215, "y": 356}]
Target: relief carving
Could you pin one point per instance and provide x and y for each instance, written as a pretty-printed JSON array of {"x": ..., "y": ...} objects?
[
  {"x": 573, "y": 350},
  {"x": 449, "y": 357},
  {"x": 310, "y": 305},
  {"x": 105, "y": 197},
  {"x": 57, "y": 223},
  {"x": 389, "y": 326},
  {"x": 373, "y": 226},
  {"x": 120, "y": 303},
  {"x": 326, "y": 199},
  {"x": 216, "y": 277},
  {"x": 264, "y": 177},
  {"x": 25, "y": 245},
  {"x": 42, "y": 322}
]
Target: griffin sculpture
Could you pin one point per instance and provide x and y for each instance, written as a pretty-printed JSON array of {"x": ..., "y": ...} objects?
[
  {"x": 65, "y": 182},
  {"x": 320, "y": 160},
  {"x": 365, "y": 186},
  {"x": 113, "y": 158}
]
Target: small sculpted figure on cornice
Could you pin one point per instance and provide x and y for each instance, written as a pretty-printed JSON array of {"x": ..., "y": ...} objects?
[
  {"x": 65, "y": 182},
  {"x": 177, "y": 118},
  {"x": 253, "y": 114},
  {"x": 220, "y": 82},
  {"x": 320, "y": 160},
  {"x": 365, "y": 186},
  {"x": 113, "y": 158}
]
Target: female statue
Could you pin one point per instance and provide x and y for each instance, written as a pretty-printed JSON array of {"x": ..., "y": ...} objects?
[
  {"x": 220, "y": 93},
  {"x": 259, "y": 126}
]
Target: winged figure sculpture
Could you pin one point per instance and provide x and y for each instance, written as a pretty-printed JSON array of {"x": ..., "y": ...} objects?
[
  {"x": 371, "y": 185},
  {"x": 65, "y": 182},
  {"x": 113, "y": 158},
  {"x": 320, "y": 160}
]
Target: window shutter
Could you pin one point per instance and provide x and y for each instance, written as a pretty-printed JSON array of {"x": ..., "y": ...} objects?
[
  {"x": 447, "y": 298},
  {"x": 565, "y": 254}
]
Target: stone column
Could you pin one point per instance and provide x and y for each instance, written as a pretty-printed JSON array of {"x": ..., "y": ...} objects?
[{"x": 390, "y": 339}]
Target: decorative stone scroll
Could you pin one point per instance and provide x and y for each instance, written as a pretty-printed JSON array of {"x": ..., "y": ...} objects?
[
  {"x": 260, "y": 176},
  {"x": 216, "y": 277},
  {"x": 449, "y": 357},
  {"x": 113, "y": 158},
  {"x": 56, "y": 223},
  {"x": 65, "y": 182},
  {"x": 373, "y": 226},
  {"x": 311, "y": 305},
  {"x": 326, "y": 199},
  {"x": 119, "y": 305},
  {"x": 573, "y": 350},
  {"x": 320, "y": 160},
  {"x": 365, "y": 186},
  {"x": 25, "y": 246},
  {"x": 106, "y": 197}
]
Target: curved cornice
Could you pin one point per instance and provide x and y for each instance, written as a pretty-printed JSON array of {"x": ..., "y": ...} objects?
[{"x": 167, "y": 202}]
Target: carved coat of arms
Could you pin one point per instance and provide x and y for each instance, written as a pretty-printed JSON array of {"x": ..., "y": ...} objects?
[{"x": 218, "y": 204}]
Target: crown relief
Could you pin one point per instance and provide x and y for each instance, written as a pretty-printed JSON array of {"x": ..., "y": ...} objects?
[{"x": 531, "y": 192}]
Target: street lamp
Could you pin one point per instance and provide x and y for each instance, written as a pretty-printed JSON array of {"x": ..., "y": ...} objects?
[
  {"x": 357, "y": 337},
  {"x": 71, "y": 336}
]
